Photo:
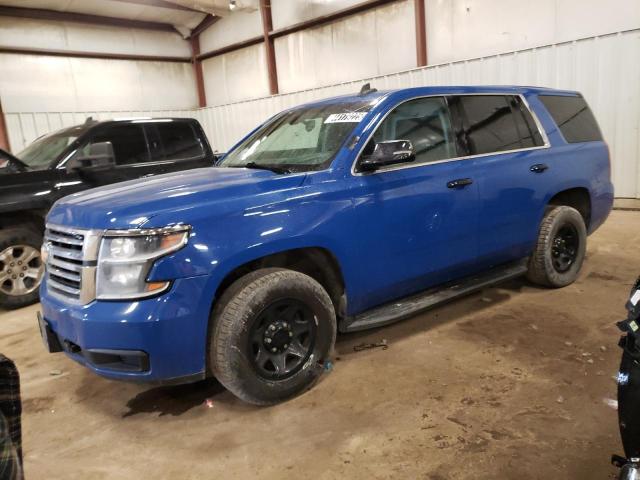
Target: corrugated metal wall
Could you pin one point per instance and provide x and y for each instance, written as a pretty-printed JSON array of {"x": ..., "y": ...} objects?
[{"x": 604, "y": 68}]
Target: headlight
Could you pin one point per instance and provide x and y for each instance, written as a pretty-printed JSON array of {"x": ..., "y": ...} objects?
[{"x": 126, "y": 257}]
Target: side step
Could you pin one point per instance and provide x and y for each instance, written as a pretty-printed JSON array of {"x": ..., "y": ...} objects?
[{"x": 408, "y": 306}]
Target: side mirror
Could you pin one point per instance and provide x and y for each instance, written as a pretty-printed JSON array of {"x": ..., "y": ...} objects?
[
  {"x": 387, "y": 153},
  {"x": 100, "y": 156}
]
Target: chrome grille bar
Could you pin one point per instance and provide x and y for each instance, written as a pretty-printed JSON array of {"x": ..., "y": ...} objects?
[{"x": 71, "y": 257}]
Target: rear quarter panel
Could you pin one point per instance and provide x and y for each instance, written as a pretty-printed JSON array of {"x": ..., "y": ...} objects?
[{"x": 576, "y": 165}]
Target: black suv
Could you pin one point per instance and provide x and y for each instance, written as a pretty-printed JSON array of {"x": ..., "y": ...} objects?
[{"x": 74, "y": 159}]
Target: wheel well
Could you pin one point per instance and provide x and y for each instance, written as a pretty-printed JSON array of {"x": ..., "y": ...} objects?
[
  {"x": 318, "y": 263},
  {"x": 28, "y": 218},
  {"x": 577, "y": 198}
]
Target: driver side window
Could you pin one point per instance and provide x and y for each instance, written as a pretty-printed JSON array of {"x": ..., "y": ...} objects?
[{"x": 426, "y": 123}]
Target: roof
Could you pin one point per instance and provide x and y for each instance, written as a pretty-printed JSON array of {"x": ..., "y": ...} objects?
[{"x": 442, "y": 90}]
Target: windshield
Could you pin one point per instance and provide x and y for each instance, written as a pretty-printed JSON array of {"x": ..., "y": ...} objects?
[
  {"x": 45, "y": 150},
  {"x": 302, "y": 139}
]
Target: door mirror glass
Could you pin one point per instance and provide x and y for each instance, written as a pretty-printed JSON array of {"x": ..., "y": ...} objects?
[
  {"x": 390, "y": 152},
  {"x": 99, "y": 156}
]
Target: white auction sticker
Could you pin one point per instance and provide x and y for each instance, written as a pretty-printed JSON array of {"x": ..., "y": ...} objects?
[
  {"x": 635, "y": 298},
  {"x": 351, "y": 117}
]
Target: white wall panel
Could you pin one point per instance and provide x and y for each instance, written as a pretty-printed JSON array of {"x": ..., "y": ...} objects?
[
  {"x": 287, "y": 12},
  {"x": 235, "y": 27},
  {"x": 460, "y": 29},
  {"x": 72, "y": 36},
  {"x": 376, "y": 42},
  {"x": 42, "y": 83},
  {"x": 235, "y": 76}
]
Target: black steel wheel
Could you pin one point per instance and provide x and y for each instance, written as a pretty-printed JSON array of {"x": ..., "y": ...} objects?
[
  {"x": 560, "y": 248},
  {"x": 272, "y": 331},
  {"x": 282, "y": 338},
  {"x": 565, "y": 247}
]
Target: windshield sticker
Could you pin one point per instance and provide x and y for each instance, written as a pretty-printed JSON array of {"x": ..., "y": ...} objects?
[{"x": 351, "y": 117}]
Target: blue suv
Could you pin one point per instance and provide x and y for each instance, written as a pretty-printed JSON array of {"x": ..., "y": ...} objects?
[{"x": 339, "y": 215}]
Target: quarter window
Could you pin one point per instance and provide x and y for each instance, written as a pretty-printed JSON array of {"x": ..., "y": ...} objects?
[
  {"x": 426, "y": 123},
  {"x": 574, "y": 118}
]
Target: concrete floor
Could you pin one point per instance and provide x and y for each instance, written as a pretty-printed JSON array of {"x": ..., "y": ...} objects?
[{"x": 508, "y": 383}]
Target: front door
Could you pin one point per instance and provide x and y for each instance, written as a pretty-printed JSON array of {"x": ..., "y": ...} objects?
[{"x": 417, "y": 221}]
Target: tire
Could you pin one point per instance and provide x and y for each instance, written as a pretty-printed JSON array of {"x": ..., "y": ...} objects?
[
  {"x": 290, "y": 302},
  {"x": 560, "y": 248},
  {"x": 21, "y": 268}
]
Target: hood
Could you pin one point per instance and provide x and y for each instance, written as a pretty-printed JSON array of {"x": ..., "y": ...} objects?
[{"x": 135, "y": 203}]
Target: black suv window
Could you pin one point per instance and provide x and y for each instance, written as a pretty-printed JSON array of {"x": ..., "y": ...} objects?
[
  {"x": 526, "y": 125},
  {"x": 128, "y": 140},
  {"x": 574, "y": 118},
  {"x": 424, "y": 121},
  {"x": 489, "y": 123},
  {"x": 179, "y": 140}
]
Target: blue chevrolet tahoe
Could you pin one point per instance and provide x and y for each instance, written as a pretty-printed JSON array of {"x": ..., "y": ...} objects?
[{"x": 339, "y": 215}]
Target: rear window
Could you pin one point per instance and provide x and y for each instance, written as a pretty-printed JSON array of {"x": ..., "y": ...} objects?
[
  {"x": 574, "y": 118},
  {"x": 179, "y": 140}
]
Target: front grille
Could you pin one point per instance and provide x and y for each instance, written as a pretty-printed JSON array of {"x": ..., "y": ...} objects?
[{"x": 71, "y": 256}]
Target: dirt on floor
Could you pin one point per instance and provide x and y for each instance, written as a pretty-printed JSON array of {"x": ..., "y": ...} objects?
[{"x": 512, "y": 382}]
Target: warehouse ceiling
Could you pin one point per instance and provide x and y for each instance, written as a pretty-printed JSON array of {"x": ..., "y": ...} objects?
[{"x": 182, "y": 17}]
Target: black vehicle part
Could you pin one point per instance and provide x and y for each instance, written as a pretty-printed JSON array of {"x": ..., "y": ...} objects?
[
  {"x": 560, "y": 248},
  {"x": 21, "y": 268},
  {"x": 272, "y": 331},
  {"x": 629, "y": 388},
  {"x": 10, "y": 420}
]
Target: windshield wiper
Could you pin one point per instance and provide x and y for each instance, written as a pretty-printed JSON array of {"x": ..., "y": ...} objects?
[{"x": 272, "y": 168}]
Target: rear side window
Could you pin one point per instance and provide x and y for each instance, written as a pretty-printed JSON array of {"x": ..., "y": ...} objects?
[
  {"x": 495, "y": 123},
  {"x": 179, "y": 140},
  {"x": 529, "y": 132},
  {"x": 574, "y": 118}
]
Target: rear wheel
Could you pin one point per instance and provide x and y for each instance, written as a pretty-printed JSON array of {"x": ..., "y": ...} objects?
[
  {"x": 21, "y": 268},
  {"x": 272, "y": 331},
  {"x": 560, "y": 248}
]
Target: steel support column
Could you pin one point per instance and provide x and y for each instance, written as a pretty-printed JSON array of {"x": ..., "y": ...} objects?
[
  {"x": 267, "y": 27},
  {"x": 197, "y": 70},
  {"x": 4, "y": 134},
  {"x": 421, "y": 33}
]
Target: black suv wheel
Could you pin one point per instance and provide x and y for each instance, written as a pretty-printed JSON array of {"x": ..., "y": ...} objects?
[
  {"x": 273, "y": 329},
  {"x": 560, "y": 249},
  {"x": 21, "y": 268}
]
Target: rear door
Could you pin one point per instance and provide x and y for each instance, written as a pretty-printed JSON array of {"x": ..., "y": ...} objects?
[
  {"x": 510, "y": 150},
  {"x": 178, "y": 145}
]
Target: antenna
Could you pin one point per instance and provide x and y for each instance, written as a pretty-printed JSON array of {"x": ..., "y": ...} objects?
[{"x": 366, "y": 89}]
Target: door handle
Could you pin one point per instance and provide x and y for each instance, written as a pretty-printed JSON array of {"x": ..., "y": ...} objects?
[
  {"x": 539, "y": 167},
  {"x": 459, "y": 183}
]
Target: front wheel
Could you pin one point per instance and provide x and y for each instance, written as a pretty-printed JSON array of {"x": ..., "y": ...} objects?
[
  {"x": 560, "y": 248},
  {"x": 21, "y": 267},
  {"x": 272, "y": 331}
]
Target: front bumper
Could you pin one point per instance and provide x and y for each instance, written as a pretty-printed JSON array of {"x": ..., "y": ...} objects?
[{"x": 158, "y": 340}]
